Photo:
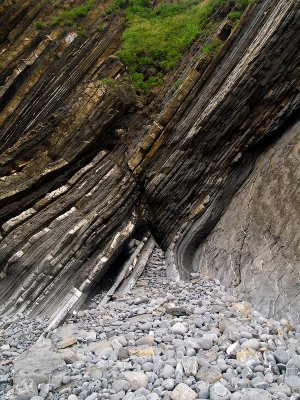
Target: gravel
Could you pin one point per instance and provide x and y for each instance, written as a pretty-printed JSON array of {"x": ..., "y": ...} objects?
[{"x": 164, "y": 340}]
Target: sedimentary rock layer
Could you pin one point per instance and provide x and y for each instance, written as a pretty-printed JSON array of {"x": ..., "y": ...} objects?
[
  {"x": 255, "y": 245},
  {"x": 84, "y": 166}
]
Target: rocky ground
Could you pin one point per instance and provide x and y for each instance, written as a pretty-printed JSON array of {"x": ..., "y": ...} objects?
[{"x": 164, "y": 340}]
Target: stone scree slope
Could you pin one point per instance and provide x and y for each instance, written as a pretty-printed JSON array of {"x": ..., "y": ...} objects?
[{"x": 163, "y": 340}]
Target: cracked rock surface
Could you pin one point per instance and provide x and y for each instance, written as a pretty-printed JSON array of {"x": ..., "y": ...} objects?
[
  {"x": 255, "y": 245},
  {"x": 163, "y": 340}
]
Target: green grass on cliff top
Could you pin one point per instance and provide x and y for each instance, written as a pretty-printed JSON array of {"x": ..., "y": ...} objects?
[
  {"x": 69, "y": 17},
  {"x": 155, "y": 38}
]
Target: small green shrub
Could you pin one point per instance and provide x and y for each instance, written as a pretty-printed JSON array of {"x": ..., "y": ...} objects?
[
  {"x": 243, "y": 3},
  {"x": 81, "y": 32},
  {"x": 69, "y": 17},
  {"x": 116, "y": 5},
  {"x": 39, "y": 25},
  {"x": 234, "y": 16},
  {"x": 101, "y": 27},
  {"x": 108, "y": 82},
  {"x": 212, "y": 48}
]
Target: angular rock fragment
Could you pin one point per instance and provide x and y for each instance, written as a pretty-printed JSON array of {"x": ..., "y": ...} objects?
[
  {"x": 247, "y": 357},
  {"x": 219, "y": 392},
  {"x": 24, "y": 390},
  {"x": 66, "y": 343},
  {"x": 40, "y": 363},
  {"x": 190, "y": 365},
  {"x": 183, "y": 392},
  {"x": 136, "y": 380}
]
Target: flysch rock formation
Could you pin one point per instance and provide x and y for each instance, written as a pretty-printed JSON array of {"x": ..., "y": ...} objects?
[{"x": 85, "y": 168}]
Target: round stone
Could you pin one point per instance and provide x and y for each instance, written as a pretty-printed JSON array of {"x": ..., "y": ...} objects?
[
  {"x": 281, "y": 356},
  {"x": 178, "y": 329},
  {"x": 136, "y": 379},
  {"x": 293, "y": 382},
  {"x": 167, "y": 372},
  {"x": 250, "y": 344},
  {"x": 169, "y": 384},
  {"x": 219, "y": 392},
  {"x": 256, "y": 394},
  {"x": 205, "y": 343},
  {"x": 119, "y": 385}
]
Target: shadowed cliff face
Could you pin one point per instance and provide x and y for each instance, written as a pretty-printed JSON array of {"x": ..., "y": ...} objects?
[
  {"x": 255, "y": 245},
  {"x": 84, "y": 164}
]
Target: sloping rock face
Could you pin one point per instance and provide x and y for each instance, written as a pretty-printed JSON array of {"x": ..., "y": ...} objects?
[
  {"x": 255, "y": 245},
  {"x": 84, "y": 166}
]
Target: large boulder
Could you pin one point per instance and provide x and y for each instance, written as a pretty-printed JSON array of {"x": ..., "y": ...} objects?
[{"x": 42, "y": 363}]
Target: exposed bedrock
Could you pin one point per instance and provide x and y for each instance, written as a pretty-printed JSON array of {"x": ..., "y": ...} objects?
[
  {"x": 86, "y": 167},
  {"x": 255, "y": 245}
]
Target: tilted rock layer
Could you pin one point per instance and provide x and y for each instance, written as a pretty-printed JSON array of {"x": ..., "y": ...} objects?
[
  {"x": 84, "y": 166},
  {"x": 255, "y": 245}
]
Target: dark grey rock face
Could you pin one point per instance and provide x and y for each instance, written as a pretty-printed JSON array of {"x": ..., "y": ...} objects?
[{"x": 255, "y": 245}]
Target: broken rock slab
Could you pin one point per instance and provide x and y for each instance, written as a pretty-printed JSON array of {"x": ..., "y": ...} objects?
[
  {"x": 25, "y": 390},
  {"x": 42, "y": 363}
]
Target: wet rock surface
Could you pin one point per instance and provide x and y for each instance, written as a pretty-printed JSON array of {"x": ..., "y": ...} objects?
[{"x": 135, "y": 348}]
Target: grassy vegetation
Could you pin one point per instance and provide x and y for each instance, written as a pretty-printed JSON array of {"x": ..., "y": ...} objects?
[
  {"x": 156, "y": 38},
  {"x": 108, "y": 82},
  {"x": 243, "y": 3},
  {"x": 212, "y": 48},
  {"x": 69, "y": 17},
  {"x": 101, "y": 27},
  {"x": 81, "y": 32},
  {"x": 39, "y": 25},
  {"x": 234, "y": 16}
]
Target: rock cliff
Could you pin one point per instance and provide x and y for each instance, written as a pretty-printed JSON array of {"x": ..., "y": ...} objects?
[
  {"x": 87, "y": 166},
  {"x": 255, "y": 245}
]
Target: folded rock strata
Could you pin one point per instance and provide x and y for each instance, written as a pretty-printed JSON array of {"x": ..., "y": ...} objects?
[{"x": 85, "y": 167}]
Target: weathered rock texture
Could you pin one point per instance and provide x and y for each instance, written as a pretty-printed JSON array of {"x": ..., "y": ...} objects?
[
  {"x": 85, "y": 166},
  {"x": 255, "y": 245}
]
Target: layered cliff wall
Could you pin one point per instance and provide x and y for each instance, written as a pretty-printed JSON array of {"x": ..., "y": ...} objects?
[
  {"x": 255, "y": 245},
  {"x": 86, "y": 165}
]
